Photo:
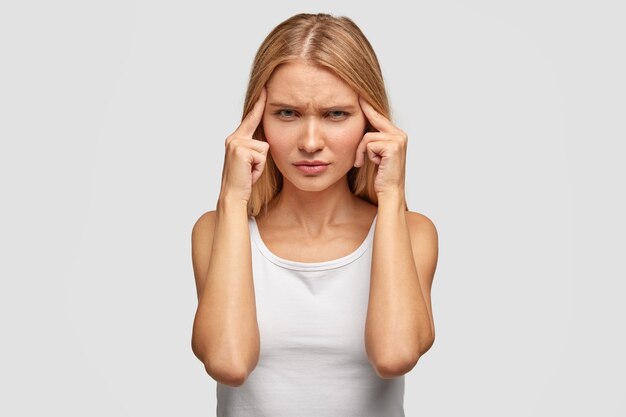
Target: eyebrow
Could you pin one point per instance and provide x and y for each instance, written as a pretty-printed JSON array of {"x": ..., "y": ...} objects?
[{"x": 339, "y": 106}]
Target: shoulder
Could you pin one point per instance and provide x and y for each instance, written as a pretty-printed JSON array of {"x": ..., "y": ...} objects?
[
  {"x": 201, "y": 245},
  {"x": 202, "y": 233},
  {"x": 424, "y": 240},
  {"x": 420, "y": 226},
  {"x": 204, "y": 224}
]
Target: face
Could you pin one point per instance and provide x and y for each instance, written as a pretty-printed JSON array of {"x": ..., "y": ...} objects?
[{"x": 312, "y": 115}]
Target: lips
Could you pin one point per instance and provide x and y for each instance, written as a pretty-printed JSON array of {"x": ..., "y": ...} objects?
[
  {"x": 311, "y": 163},
  {"x": 312, "y": 167}
]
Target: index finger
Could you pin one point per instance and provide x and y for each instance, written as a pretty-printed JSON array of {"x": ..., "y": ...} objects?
[
  {"x": 377, "y": 120},
  {"x": 253, "y": 118}
]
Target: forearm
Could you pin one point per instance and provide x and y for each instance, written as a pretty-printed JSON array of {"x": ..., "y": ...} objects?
[
  {"x": 398, "y": 323},
  {"x": 226, "y": 328}
]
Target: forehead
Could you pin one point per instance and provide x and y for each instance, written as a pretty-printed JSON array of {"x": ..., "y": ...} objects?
[{"x": 307, "y": 84}]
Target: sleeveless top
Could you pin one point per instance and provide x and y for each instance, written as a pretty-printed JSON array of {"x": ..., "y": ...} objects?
[{"x": 312, "y": 362}]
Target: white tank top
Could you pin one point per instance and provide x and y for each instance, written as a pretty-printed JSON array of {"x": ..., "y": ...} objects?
[{"x": 312, "y": 362}]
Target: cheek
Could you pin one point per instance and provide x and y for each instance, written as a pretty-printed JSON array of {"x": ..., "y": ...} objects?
[
  {"x": 270, "y": 129},
  {"x": 348, "y": 135},
  {"x": 276, "y": 135}
]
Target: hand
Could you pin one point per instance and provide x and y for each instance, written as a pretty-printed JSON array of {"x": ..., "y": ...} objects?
[
  {"x": 245, "y": 157},
  {"x": 386, "y": 148}
]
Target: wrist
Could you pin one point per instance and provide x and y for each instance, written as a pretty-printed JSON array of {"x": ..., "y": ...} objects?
[
  {"x": 393, "y": 199},
  {"x": 230, "y": 203}
]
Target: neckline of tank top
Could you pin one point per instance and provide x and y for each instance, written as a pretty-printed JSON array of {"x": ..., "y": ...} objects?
[{"x": 311, "y": 266}]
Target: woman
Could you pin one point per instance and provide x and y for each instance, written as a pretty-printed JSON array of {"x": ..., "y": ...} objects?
[{"x": 313, "y": 278}]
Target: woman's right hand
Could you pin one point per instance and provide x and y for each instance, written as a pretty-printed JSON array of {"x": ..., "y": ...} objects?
[{"x": 245, "y": 157}]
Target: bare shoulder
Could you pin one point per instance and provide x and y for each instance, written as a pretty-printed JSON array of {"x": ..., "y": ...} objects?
[
  {"x": 202, "y": 232},
  {"x": 204, "y": 222},
  {"x": 420, "y": 226},
  {"x": 424, "y": 242},
  {"x": 201, "y": 245}
]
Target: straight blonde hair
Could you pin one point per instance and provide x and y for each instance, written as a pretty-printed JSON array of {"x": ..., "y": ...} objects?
[{"x": 335, "y": 43}]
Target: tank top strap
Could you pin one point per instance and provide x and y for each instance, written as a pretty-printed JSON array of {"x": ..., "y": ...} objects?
[{"x": 257, "y": 241}]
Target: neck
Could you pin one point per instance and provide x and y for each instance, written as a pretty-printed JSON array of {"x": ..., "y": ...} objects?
[{"x": 315, "y": 209}]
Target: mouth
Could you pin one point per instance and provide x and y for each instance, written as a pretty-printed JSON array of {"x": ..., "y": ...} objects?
[
  {"x": 311, "y": 163},
  {"x": 312, "y": 167}
]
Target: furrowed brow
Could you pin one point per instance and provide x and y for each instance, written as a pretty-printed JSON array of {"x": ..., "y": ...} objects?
[
  {"x": 348, "y": 107},
  {"x": 291, "y": 106}
]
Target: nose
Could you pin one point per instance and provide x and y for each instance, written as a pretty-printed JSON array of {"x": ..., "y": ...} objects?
[{"x": 311, "y": 139}]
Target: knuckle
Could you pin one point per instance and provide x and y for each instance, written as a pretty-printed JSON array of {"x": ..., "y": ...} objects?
[
  {"x": 239, "y": 151},
  {"x": 230, "y": 142},
  {"x": 235, "y": 147}
]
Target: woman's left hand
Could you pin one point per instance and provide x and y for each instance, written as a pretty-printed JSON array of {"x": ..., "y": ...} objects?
[{"x": 386, "y": 148}]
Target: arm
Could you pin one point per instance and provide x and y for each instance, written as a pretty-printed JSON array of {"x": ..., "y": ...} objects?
[
  {"x": 225, "y": 330},
  {"x": 399, "y": 326}
]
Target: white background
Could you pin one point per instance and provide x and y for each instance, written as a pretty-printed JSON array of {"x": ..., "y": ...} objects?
[{"x": 113, "y": 116}]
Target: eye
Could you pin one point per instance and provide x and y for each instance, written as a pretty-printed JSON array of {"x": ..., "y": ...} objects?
[
  {"x": 285, "y": 113},
  {"x": 337, "y": 114}
]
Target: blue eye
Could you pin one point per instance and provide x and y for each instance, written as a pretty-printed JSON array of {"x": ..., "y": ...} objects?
[
  {"x": 281, "y": 113},
  {"x": 333, "y": 114},
  {"x": 338, "y": 116}
]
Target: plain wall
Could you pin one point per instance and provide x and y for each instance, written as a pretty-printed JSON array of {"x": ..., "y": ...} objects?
[{"x": 114, "y": 115}]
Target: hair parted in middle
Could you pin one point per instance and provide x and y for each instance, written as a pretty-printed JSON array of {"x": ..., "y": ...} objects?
[{"x": 335, "y": 43}]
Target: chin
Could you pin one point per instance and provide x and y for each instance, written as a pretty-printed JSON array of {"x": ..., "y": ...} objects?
[{"x": 310, "y": 186}]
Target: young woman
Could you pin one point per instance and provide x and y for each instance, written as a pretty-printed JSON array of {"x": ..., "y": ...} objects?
[{"x": 313, "y": 278}]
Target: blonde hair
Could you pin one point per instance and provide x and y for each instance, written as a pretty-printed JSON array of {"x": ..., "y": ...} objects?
[{"x": 332, "y": 42}]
